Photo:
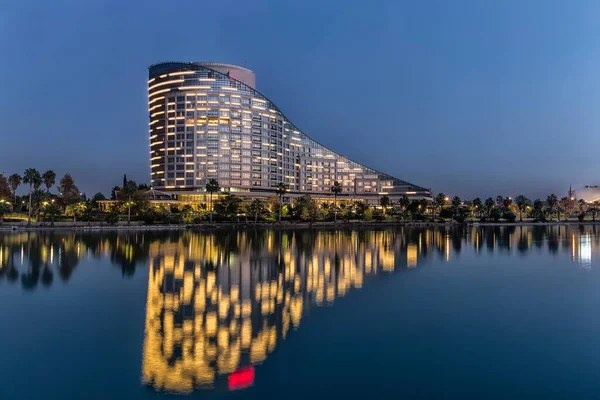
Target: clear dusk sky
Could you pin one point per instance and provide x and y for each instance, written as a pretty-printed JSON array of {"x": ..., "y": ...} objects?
[{"x": 472, "y": 98}]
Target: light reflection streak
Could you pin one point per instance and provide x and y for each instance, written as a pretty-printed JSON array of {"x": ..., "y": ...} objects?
[{"x": 221, "y": 302}]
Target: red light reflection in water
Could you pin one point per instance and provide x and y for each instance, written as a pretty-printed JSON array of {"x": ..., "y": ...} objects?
[{"x": 242, "y": 378}]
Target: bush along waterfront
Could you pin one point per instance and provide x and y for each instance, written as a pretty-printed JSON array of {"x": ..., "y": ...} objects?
[{"x": 132, "y": 202}]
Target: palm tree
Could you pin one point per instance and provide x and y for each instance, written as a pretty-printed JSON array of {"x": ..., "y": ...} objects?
[
  {"x": 15, "y": 181},
  {"x": 456, "y": 202},
  {"x": 439, "y": 201},
  {"x": 478, "y": 204},
  {"x": 404, "y": 205},
  {"x": 212, "y": 186},
  {"x": 489, "y": 205},
  {"x": 128, "y": 190},
  {"x": 280, "y": 190},
  {"x": 552, "y": 201},
  {"x": 33, "y": 178},
  {"x": 335, "y": 189},
  {"x": 49, "y": 178},
  {"x": 384, "y": 202},
  {"x": 256, "y": 208},
  {"x": 522, "y": 202}
]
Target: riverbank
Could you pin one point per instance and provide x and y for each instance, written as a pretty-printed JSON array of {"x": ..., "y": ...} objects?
[{"x": 137, "y": 226}]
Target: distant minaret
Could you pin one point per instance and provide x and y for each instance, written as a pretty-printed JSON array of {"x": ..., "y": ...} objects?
[{"x": 570, "y": 192}]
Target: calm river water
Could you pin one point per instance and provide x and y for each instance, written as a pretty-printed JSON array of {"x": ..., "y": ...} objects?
[{"x": 487, "y": 313}]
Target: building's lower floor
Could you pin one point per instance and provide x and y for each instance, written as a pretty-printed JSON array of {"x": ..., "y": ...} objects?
[{"x": 180, "y": 198}]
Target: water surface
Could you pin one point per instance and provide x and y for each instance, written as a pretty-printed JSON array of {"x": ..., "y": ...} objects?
[{"x": 504, "y": 312}]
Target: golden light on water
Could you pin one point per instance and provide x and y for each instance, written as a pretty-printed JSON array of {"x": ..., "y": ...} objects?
[
  {"x": 202, "y": 325},
  {"x": 218, "y": 304}
]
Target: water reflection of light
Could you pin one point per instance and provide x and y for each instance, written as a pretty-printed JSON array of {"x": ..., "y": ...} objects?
[
  {"x": 218, "y": 303},
  {"x": 585, "y": 251},
  {"x": 207, "y": 326},
  {"x": 241, "y": 378},
  {"x": 411, "y": 256}
]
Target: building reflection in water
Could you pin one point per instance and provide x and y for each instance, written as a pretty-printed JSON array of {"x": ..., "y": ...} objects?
[
  {"x": 217, "y": 308},
  {"x": 220, "y": 303}
]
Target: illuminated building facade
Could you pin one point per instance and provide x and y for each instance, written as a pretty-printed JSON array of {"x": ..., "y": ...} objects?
[
  {"x": 588, "y": 193},
  {"x": 207, "y": 121}
]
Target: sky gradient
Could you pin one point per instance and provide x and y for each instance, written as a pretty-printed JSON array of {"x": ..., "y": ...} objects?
[{"x": 472, "y": 98}]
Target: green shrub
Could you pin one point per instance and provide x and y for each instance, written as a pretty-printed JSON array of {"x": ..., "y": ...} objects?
[
  {"x": 446, "y": 213},
  {"x": 460, "y": 218},
  {"x": 496, "y": 214},
  {"x": 509, "y": 216},
  {"x": 112, "y": 218},
  {"x": 173, "y": 219},
  {"x": 378, "y": 215}
]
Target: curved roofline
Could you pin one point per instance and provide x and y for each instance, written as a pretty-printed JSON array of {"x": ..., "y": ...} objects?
[{"x": 199, "y": 64}]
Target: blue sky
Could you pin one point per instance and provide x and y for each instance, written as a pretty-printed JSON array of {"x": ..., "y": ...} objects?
[{"x": 472, "y": 98}]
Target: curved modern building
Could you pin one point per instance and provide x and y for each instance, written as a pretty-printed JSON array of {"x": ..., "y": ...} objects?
[
  {"x": 590, "y": 194},
  {"x": 207, "y": 121}
]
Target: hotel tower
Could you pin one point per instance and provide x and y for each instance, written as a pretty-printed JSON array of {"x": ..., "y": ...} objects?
[{"x": 207, "y": 121}]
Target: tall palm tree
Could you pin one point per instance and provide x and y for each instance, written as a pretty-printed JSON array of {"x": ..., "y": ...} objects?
[
  {"x": 15, "y": 181},
  {"x": 212, "y": 186},
  {"x": 404, "y": 203},
  {"x": 439, "y": 201},
  {"x": 456, "y": 202},
  {"x": 280, "y": 190},
  {"x": 522, "y": 202},
  {"x": 384, "y": 202},
  {"x": 255, "y": 208},
  {"x": 49, "y": 178},
  {"x": 33, "y": 178},
  {"x": 478, "y": 204},
  {"x": 128, "y": 190},
  {"x": 489, "y": 205},
  {"x": 552, "y": 201},
  {"x": 335, "y": 189}
]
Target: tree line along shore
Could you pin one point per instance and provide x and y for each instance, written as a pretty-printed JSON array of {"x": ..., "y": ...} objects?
[{"x": 130, "y": 202}]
